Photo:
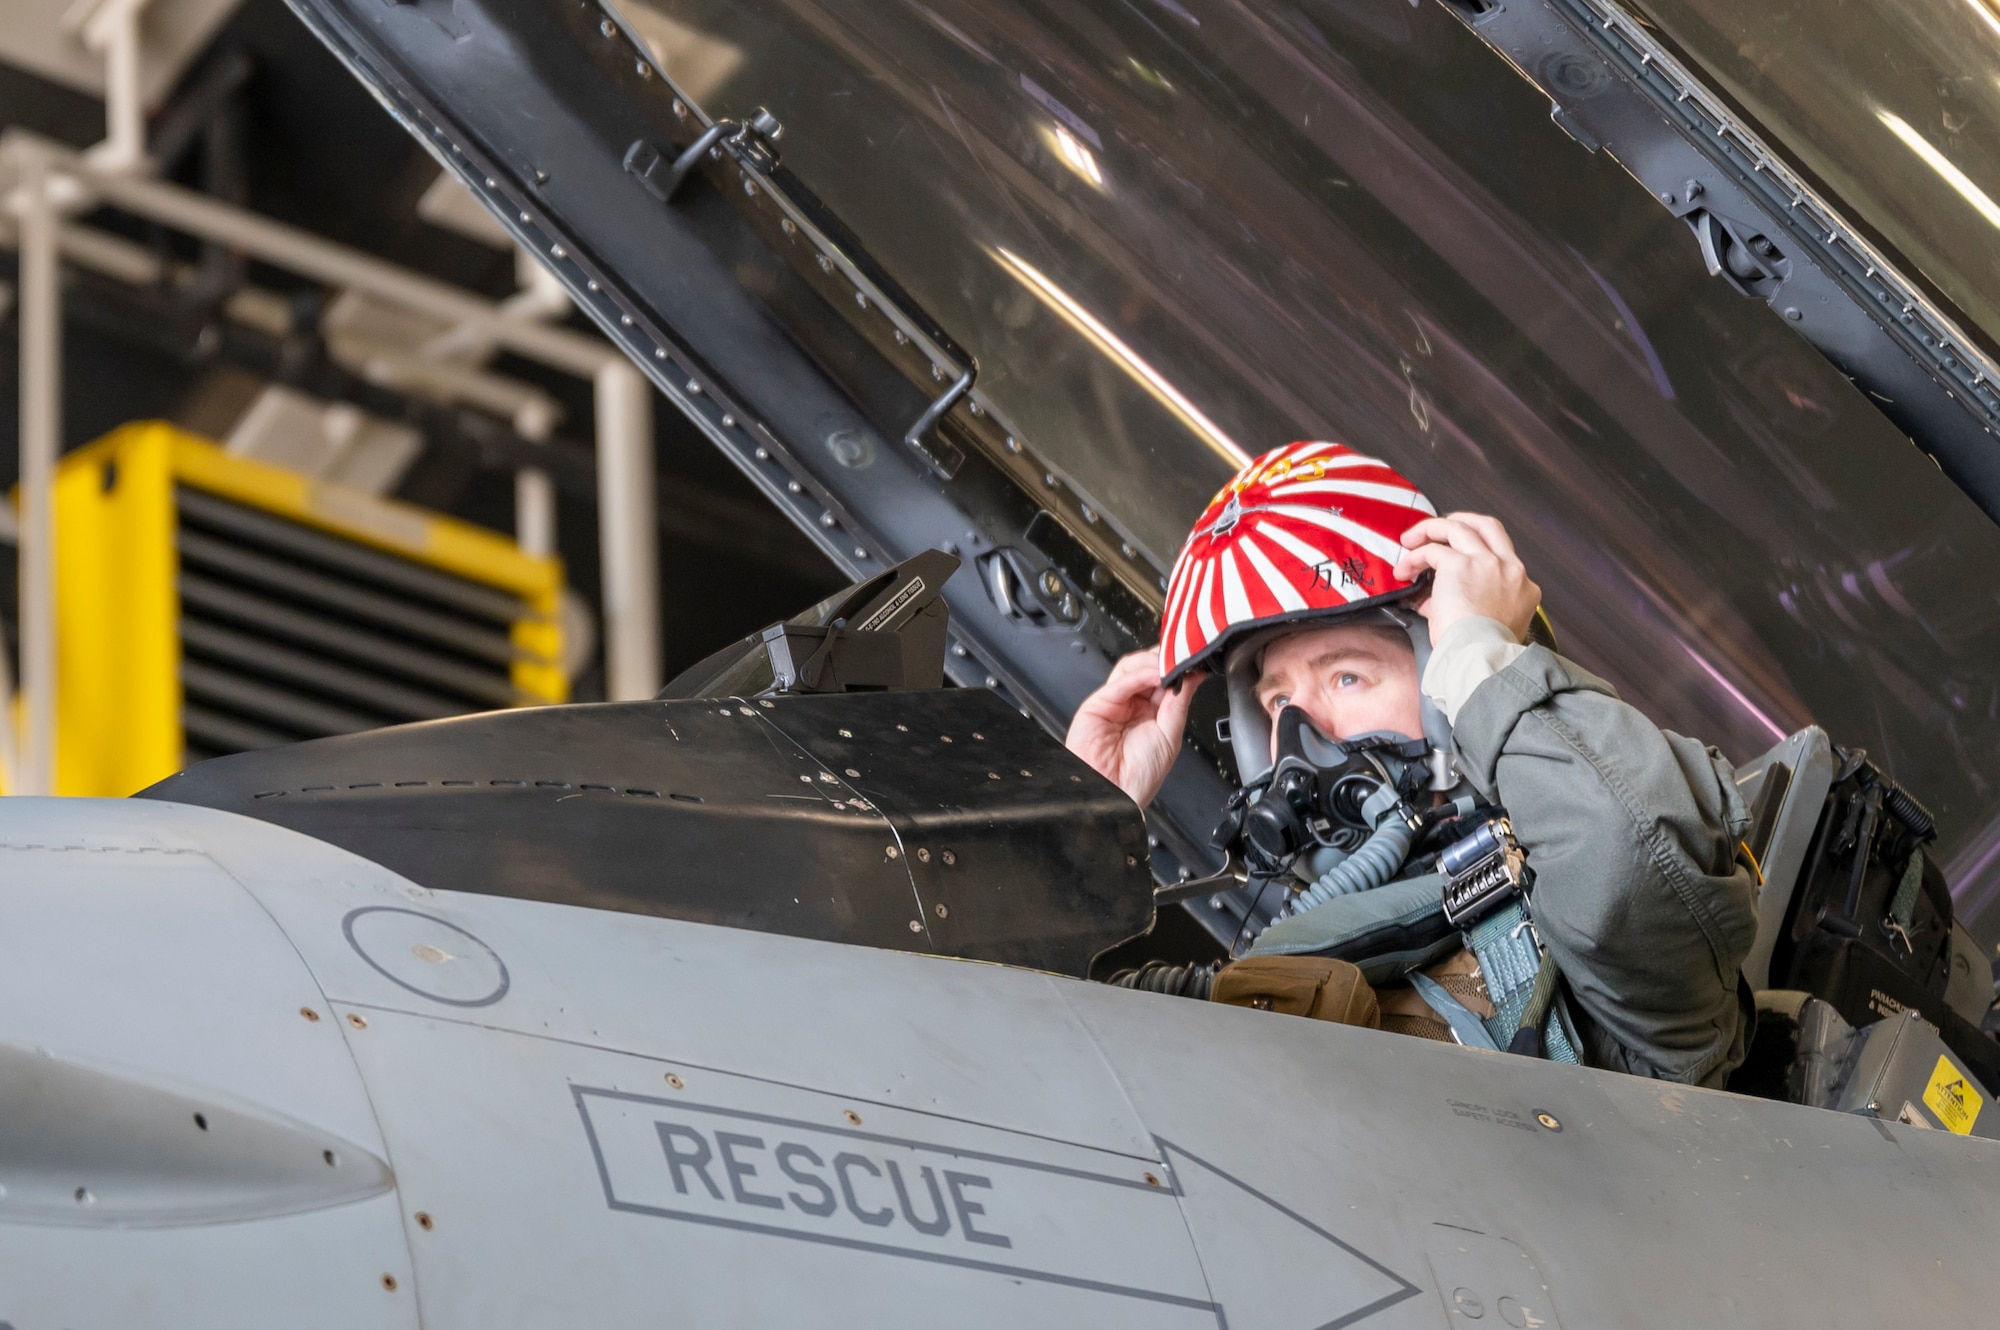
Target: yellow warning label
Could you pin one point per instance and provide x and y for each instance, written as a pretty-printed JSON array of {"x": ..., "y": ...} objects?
[{"x": 1952, "y": 1097}]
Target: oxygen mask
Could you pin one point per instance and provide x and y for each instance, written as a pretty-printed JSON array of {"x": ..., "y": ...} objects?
[{"x": 1322, "y": 793}]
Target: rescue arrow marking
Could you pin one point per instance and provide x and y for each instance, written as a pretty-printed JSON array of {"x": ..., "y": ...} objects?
[
  {"x": 1036, "y": 1219},
  {"x": 1037, "y": 1209},
  {"x": 1207, "y": 1205}
]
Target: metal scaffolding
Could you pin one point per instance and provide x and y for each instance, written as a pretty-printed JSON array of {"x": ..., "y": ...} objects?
[{"x": 46, "y": 186}]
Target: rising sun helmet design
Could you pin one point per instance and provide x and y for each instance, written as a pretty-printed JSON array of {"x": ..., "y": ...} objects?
[{"x": 1307, "y": 534}]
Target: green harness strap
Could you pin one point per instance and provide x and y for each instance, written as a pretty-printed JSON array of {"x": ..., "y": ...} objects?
[{"x": 1521, "y": 980}]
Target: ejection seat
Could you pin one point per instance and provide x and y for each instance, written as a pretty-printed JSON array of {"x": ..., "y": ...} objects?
[{"x": 1862, "y": 978}]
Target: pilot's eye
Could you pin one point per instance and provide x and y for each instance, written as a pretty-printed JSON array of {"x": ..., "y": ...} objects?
[
  {"x": 1346, "y": 680},
  {"x": 1278, "y": 702}
]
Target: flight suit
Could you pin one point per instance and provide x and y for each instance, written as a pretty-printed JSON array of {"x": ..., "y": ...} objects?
[
  {"x": 1638, "y": 893},
  {"x": 1632, "y": 833}
]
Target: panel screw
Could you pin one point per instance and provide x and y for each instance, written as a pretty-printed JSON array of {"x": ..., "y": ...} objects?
[
  {"x": 608, "y": 28},
  {"x": 389, "y": 1282},
  {"x": 1026, "y": 772},
  {"x": 680, "y": 109},
  {"x": 853, "y": 1118},
  {"x": 846, "y": 734},
  {"x": 1152, "y": 1180},
  {"x": 789, "y": 227},
  {"x": 645, "y": 70},
  {"x": 424, "y": 1221},
  {"x": 923, "y": 855},
  {"x": 942, "y": 912},
  {"x": 851, "y": 771},
  {"x": 1549, "y": 1120},
  {"x": 993, "y": 775},
  {"x": 894, "y": 853},
  {"x": 358, "y": 1021},
  {"x": 916, "y": 925},
  {"x": 675, "y": 1082},
  {"x": 309, "y": 1013},
  {"x": 949, "y": 859},
  {"x": 944, "y": 738},
  {"x": 1131, "y": 861}
]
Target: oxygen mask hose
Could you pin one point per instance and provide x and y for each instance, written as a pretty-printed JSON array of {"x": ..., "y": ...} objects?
[{"x": 1371, "y": 865}]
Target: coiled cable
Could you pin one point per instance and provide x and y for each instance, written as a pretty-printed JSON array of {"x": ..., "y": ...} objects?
[
  {"x": 1913, "y": 814},
  {"x": 1191, "y": 981}
]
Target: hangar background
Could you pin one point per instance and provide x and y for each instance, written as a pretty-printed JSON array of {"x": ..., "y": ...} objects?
[{"x": 260, "y": 348}]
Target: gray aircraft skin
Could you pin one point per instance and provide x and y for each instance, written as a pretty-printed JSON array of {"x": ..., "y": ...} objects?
[
  {"x": 629, "y": 1068},
  {"x": 249, "y": 1079}
]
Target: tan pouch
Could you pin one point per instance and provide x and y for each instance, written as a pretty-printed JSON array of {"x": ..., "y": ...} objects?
[
  {"x": 1312, "y": 986},
  {"x": 1404, "y": 1012}
]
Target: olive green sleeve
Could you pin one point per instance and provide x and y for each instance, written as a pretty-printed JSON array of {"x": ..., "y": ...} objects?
[{"x": 1632, "y": 834}]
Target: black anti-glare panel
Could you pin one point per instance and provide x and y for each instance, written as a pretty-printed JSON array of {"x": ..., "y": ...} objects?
[{"x": 942, "y": 822}]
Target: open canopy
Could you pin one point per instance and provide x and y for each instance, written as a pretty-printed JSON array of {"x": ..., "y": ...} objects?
[{"x": 1169, "y": 234}]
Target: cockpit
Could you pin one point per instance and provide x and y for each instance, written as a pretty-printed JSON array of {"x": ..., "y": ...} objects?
[{"x": 815, "y": 779}]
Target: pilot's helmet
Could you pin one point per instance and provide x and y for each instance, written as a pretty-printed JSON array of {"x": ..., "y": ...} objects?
[{"x": 1307, "y": 534}]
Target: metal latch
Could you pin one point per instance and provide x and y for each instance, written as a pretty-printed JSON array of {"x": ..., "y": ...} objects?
[{"x": 1482, "y": 870}]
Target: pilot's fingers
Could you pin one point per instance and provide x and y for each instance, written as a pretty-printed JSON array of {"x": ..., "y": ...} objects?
[
  {"x": 1131, "y": 693},
  {"x": 1491, "y": 531},
  {"x": 1461, "y": 536},
  {"x": 1438, "y": 558},
  {"x": 1174, "y": 704},
  {"x": 1140, "y": 665}
]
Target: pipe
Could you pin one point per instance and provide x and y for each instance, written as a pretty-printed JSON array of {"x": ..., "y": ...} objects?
[
  {"x": 41, "y": 441},
  {"x": 627, "y": 533},
  {"x": 336, "y": 265},
  {"x": 534, "y": 512},
  {"x": 113, "y": 30}
]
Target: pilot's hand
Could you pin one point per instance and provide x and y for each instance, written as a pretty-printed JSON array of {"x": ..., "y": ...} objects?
[
  {"x": 1129, "y": 730},
  {"x": 1475, "y": 572}
]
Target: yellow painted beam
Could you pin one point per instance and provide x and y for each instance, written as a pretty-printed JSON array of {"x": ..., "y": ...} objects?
[{"x": 118, "y": 692}]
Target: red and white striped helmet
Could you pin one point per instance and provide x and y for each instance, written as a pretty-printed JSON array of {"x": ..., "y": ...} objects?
[{"x": 1307, "y": 532}]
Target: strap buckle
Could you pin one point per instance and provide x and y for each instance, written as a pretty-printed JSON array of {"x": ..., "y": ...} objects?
[{"x": 1482, "y": 870}]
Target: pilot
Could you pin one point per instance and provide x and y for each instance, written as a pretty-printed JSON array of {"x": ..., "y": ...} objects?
[{"x": 1337, "y": 605}]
